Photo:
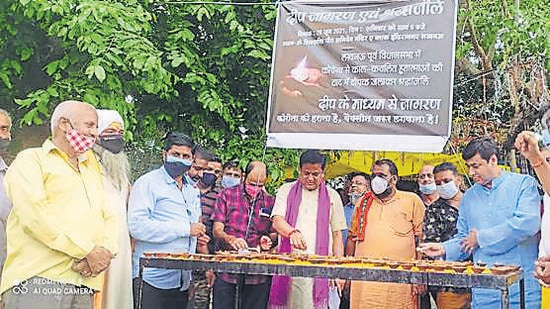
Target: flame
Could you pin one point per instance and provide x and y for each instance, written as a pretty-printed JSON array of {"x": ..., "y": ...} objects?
[{"x": 299, "y": 72}]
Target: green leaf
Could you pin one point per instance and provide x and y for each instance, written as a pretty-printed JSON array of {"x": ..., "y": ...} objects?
[{"x": 99, "y": 73}]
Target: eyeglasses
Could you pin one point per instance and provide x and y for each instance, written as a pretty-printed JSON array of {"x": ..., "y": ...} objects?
[
  {"x": 428, "y": 175},
  {"x": 4, "y": 129}
]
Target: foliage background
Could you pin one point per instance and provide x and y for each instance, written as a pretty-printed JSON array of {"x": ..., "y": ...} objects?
[{"x": 203, "y": 69}]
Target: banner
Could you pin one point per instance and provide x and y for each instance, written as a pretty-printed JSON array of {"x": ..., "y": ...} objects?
[{"x": 369, "y": 75}]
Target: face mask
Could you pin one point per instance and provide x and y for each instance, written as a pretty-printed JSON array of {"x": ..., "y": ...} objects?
[
  {"x": 428, "y": 189},
  {"x": 354, "y": 197},
  {"x": 448, "y": 190},
  {"x": 112, "y": 142},
  {"x": 228, "y": 181},
  {"x": 176, "y": 166},
  {"x": 4, "y": 143},
  {"x": 80, "y": 143},
  {"x": 252, "y": 190},
  {"x": 379, "y": 185},
  {"x": 208, "y": 179}
]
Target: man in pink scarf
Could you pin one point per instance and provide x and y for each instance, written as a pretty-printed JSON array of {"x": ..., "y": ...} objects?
[{"x": 309, "y": 218}]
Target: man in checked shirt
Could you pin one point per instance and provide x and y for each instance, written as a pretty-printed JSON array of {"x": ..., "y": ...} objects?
[{"x": 242, "y": 221}]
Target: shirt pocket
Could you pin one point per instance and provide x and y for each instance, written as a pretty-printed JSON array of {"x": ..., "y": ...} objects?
[{"x": 401, "y": 224}]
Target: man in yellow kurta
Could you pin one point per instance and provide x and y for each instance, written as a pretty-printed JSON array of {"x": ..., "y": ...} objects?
[
  {"x": 385, "y": 225},
  {"x": 61, "y": 233}
]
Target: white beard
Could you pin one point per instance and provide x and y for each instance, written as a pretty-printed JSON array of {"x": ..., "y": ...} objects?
[{"x": 116, "y": 166}]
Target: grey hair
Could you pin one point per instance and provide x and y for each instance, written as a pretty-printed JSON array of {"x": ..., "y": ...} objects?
[
  {"x": 64, "y": 110},
  {"x": 5, "y": 113}
]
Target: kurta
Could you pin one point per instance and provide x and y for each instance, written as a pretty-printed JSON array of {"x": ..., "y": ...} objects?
[
  {"x": 390, "y": 233},
  {"x": 544, "y": 245},
  {"x": 507, "y": 220},
  {"x": 117, "y": 293},
  {"x": 301, "y": 290},
  {"x": 59, "y": 214}
]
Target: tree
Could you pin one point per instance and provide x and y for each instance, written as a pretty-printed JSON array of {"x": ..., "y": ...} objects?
[
  {"x": 200, "y": 69},
  {"x": 503, "y": 57},
  {"x": 204, "y": 68}
]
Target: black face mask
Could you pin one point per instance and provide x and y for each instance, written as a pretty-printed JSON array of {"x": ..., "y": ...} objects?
[
  {"x": 4, "y": 143},
  {"x": 208, "y": 179},
  {"x": 175, "y": 167},
  {"x": 112, "y": 142}
]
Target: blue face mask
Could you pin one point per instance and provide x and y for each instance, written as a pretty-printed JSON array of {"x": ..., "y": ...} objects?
[
  {"x": 427, "y": 189},
  {"x": 448, "y": 190},
  {"x": 228, "y": 181},
  {"x": 176, "y": 166}
]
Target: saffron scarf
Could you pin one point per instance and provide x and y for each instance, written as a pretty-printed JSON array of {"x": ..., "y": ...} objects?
[
  {"x": 362, "y": 214},
  {"x": 280, "y": 286}
]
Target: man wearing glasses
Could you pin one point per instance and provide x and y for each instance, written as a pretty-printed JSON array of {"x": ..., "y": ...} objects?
[
  {"x": 163, "y": 216},
  {"x": 426, "y": 185},
  {"x": 386, "y": 226},
  {"x": 242, "y": 221}
]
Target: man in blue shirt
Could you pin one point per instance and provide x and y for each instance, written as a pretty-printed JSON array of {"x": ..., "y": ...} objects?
[
  {"x": 359, "y": 185},
  {"x": 163, "y": 216},
  {"x": 498, "y": 222}
]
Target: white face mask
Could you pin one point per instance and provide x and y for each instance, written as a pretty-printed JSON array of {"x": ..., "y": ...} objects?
[
  {"x": 427, "y": 189},
  {"x": 378, "y": 185},
  {"x": 448, "y": 190}
]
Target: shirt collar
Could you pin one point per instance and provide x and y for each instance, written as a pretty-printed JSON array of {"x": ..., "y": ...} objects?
[
  {"x": 167, "y": 178},
  {"x": 497, "y": 181},
  {"x": 49, "y": 146}
]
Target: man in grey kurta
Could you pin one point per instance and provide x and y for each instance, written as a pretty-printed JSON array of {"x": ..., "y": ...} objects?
[{"x": 5, "y": 204}]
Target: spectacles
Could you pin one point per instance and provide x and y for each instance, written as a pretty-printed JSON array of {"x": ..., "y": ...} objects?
[
  {"x": 4, "y": 129},
  {"x": 428, "y": 175}
]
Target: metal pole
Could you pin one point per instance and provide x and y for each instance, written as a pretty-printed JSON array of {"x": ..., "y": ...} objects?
[
  {"x": 505, "y": 301},
  {"x": 140, "y": 283},
  {"x": 521, "y": 293},
  {"x": 239, "y": 291}
]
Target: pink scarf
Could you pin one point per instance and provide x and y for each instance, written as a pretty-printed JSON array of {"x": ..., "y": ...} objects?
[{"x": 280, "y": 286}]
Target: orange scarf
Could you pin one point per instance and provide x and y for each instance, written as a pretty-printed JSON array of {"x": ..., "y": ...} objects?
[{"x": 362, "y": 213}]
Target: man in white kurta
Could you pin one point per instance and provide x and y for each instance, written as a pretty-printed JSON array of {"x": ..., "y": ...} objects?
[
  {"x": 311, "y": 175},
  {"x": 117, "y": 293}
]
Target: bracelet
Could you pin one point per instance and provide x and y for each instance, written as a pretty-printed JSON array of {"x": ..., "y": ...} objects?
[
  {"x": 538, "y": 164},
  {"x": 292, "y": 232}
]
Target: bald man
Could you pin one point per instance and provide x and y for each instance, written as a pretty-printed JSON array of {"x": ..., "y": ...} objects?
[
  {"x": 241, "y": 221},
  {"x": 61, "y": 232}
]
